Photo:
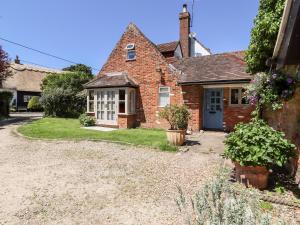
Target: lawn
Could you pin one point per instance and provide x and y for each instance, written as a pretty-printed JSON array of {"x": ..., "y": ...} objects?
[{"x": 66, "y": 129}]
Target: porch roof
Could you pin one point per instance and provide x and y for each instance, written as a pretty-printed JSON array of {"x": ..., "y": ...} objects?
[
  {"x": 219, "y": 68},
  {"x": 106, "y": 81}
]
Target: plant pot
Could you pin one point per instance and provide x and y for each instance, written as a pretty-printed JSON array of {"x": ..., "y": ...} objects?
[
  {"x": 255, "y": 176},
  {"x": 176, "y": 137}
]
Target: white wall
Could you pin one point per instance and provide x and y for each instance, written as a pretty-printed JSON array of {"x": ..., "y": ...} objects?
[{"x": 197, "y": 49}]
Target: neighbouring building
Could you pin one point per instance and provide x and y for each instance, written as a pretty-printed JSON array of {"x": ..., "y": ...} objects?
[
  {"x": 140, "y": 78},
  {"x": 286, "y": 58},
  {"x": 25, "y": 83}
]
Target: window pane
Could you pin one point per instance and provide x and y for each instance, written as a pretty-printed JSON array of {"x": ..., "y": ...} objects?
[
  {"x": 122, "y": 95},
  {"x": 121, "y": 107},
  {"x": 163, "y": 89},
  {"x": 164, "y": 99},
  {"x": 91, "y": 95},
  {"x": 131, "y": 55},
  {"x": 234, "y": 96},
  {"x": 91, "y": 106}
]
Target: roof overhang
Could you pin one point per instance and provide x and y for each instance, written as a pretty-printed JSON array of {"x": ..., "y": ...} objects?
[
  {"x": 287, "y": 48},
  {"x": 118, "y": 86}
]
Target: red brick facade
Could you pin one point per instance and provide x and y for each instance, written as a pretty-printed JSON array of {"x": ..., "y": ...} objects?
[{"x": 149, "y": 71}]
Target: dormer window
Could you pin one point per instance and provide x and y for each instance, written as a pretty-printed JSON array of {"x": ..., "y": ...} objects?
[{"x": 131, "y": 54}]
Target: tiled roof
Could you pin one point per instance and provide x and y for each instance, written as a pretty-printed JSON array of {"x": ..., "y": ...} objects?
[
  {"x": 117, "y": 80},
  {"x": 168, "y": 47},
  {"x": 219, "y": 68}
]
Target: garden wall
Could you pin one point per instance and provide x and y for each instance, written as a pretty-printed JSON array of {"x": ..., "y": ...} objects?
[{"x": 287, "y": 120}]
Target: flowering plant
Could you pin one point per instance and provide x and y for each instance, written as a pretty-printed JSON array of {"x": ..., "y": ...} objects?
[{"x": 268, "y": 89}]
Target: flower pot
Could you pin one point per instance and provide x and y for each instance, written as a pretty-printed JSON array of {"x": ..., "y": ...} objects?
[
  {"x": 176, "y": 137},
  {"x": 255, "y": 176}
]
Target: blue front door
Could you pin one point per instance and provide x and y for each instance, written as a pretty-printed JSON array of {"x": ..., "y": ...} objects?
[{"x": 213, "y": 109}]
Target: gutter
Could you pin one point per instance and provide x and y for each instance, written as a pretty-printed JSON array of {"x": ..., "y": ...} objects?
[{"x": 214, "y": 82}]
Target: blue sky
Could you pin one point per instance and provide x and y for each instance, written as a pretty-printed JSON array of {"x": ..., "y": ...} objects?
[{"x": 87, "y": 31}]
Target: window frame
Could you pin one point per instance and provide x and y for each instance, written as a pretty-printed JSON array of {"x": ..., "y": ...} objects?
[
  {"x": 240, "y": 97},
  {"x": 89, "y": 100},
  {"x": 159, "y": 92},
  {"x": 127, "y": 100},
  {"x": 28, "y": 97},
  {"x": 128, "y": 50}
]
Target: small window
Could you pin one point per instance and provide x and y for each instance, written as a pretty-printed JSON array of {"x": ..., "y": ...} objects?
[
  {"x": 164, "y": 96},
  {"x": 91, "y": 101},
  {"x": 26, "y": 98},
  {"x": 122, "y": 101},
  {"x": 238, "y": 97},
  {"x": 131, "y": 55}
]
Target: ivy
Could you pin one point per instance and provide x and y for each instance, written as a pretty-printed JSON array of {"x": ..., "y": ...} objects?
[{"x": 264, "y": 35}]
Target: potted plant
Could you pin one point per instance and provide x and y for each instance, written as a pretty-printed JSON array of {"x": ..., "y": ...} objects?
[
  {"x": 253, "y": 148},
  {"x": 177, "y": 117}
]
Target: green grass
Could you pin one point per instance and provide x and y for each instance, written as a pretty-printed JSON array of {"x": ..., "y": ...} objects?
[
  {"x": 267, "y": 206},
  {"x": 70, "y": 129}
]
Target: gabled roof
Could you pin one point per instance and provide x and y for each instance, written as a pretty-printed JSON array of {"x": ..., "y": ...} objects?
[
  {"x": 168, "y": 47},
  {"x": 26, "y": 77},
  {"x": 112, "y": 80},
  {"x": 219, "y": 68}
]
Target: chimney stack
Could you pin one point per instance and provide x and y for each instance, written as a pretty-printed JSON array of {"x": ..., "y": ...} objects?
[
  {"x": 185, "y": 20},
  {"x": 17, "y": 60}
]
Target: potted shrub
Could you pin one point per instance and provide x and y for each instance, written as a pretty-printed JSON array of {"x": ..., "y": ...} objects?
[
  {"x": 177, "y": 117},
  {"x": 253, "y": 148}
]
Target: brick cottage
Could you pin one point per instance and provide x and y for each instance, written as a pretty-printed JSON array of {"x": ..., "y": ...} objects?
[{"x": 140, "y": 78}]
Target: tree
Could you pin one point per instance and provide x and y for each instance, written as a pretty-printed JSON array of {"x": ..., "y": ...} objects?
[
  {"x": 79, "y": 68},
  {"x": 4, "y": 66},
  {"x": 63, "y": 94},
  {"x": 264, "y": 35}
]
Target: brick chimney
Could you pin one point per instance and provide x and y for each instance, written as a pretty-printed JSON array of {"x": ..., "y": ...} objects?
[{"x": 185, "y": 20}]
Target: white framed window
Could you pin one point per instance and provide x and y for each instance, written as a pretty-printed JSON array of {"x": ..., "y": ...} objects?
[
  {"x": 127, "y": 102},
  {"x": 237, "y": 97},
  {"x": 164, "y": 96},
  {"x": 131, "y": 101},
  {"x": 131, "y": 53},
  {"x": 91, "y": 101}
]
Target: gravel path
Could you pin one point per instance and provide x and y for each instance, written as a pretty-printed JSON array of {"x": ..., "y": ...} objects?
[{"x": 68, "y": 182}]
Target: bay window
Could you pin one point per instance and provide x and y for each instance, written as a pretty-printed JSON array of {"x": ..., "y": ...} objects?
[
  {"x": 127, "y": 101},
  {"x": 90, "y": 101}
]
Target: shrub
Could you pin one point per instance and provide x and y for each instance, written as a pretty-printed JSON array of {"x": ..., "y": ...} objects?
[
  {"x": 5, "y": 98},
  {"x": 218, "y": 202},
  {"x": 177, "y": 116},
  {"x": 59, "y": 102},
  {"x": 87, "y": 120},
  {"x": 257, "y": 144},
  {"x": 34, "y": 104}
]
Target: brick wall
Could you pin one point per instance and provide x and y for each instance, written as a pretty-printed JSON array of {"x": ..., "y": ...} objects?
[
  {"x": 126, "y": 121},
  {"x": 235, "y": 114}
]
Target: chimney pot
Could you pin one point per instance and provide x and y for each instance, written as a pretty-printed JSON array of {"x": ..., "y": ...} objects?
[
  {"x": 184, "y": 8},
  {"x": 17, "y": 60}
]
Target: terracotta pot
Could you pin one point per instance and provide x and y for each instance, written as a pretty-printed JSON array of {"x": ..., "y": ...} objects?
[
  {"x": 176, "y": 137},
  {"x": 255, "y": 176}
]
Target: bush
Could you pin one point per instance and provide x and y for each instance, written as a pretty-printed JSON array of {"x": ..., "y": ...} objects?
[
  {"x": 257, "y": 144},
  {"x": 177, "y": 116},
  {"x": 219, "y": 202},
  {"x": 59, "y": 102},
  {"x": 63, "y": 94},
  {"x": 87, "y": 120},
  {"x": 5, "y": 98},
  {"x": 34, "y": 104}
]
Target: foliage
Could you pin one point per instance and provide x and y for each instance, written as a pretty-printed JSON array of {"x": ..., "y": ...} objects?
[
  {"x": 177, "y": 116},
  {"x": 264, "y": 34},
  {"x": 65, "y": 129},
  {"x": 4, "y": 66},
  {"x": 72, "y": 81},
  {"x": 87, "y": 120},
  {"x": 218, "y": 202},
  {"x": 5, "y": 98},
  {"x": 79, "y": 68},
  {"x": 63, "y": 94},
  {"x": 257, "y": 144},
  {"x": 271, "y": 89},
  {"x": 266, "y": 206},
  {"x": 34, "y": 104},
  {"x": 59, "y": 102}
]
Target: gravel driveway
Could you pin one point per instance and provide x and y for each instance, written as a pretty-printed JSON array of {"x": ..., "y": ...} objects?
[{"x": 68, "y": 182}]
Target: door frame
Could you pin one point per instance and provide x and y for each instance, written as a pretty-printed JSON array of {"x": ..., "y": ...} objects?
[{"x": 204, "y": 106}]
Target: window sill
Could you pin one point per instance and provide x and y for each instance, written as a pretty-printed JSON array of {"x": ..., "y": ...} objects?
[
  {"x": 130, "y": 60},
  {"x": 126, "y": 114},
  {"x": 239, "y": 105}
]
